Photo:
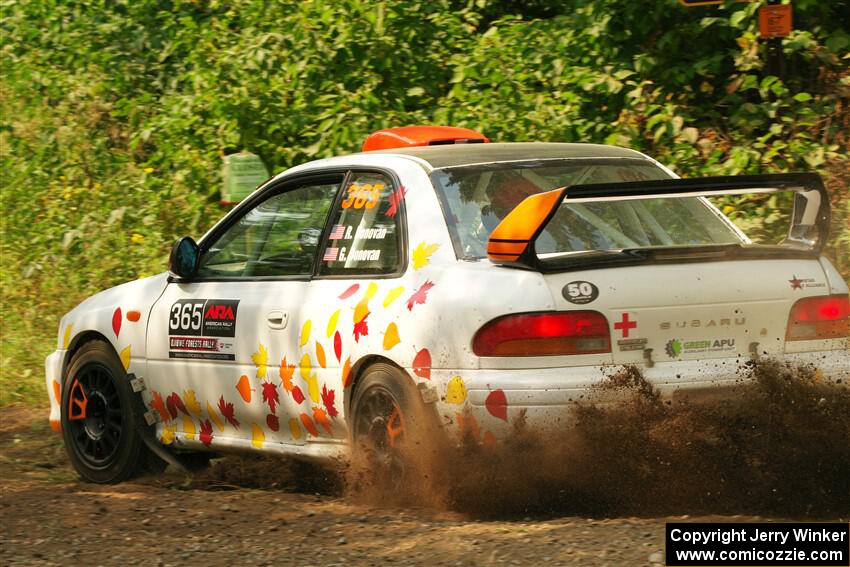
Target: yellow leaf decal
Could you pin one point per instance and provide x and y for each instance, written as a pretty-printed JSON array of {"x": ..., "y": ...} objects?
[
  {"x": 422, "y": 254},
  {"x": 286, "y": 371},
  {"x": 191, "y": 402},
  {"x": 188, "y": 427},
  {"x": 260, "y": 360},
  {"x": 320, "y": 354},
  {"x": 214, "y": 417},
  {"x": 125, "y": 357},
  {"x": 370, "y": 291},
  {"x": 361, "y": 310},
  {"x": 456, "y": 391},
  {"x": 66, "y": 339},
  {"x": 244, "y": 388},
  {"x": 167, "y": 437},
  {"x": 392, "y": 295},
  {"x": 294, "y": 428},
  {"x": 332, "y": 324},
  {"x": 305, "y": 332},
  {"x": 391, "y": 336},
  {"x": 313, "y": 388},
  {"x": 305, "y": 367},
  {"x": 257, "y": 436}
]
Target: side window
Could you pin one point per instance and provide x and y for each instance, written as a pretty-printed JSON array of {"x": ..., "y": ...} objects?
[
  {"x": 365, "y": 231},
  {"x": 278, "y": 237}
]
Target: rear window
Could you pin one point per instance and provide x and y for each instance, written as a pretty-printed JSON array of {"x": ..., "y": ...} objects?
[{"x": 476, "y": 198}]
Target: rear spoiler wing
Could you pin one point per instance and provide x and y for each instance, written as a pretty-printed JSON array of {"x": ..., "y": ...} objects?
[{"x": 512, "y": 242}]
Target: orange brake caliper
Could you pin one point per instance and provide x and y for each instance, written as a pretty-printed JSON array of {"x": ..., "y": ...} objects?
[
  {"x": 395, "y": 426},
  {"x": 77, "y": 402}
]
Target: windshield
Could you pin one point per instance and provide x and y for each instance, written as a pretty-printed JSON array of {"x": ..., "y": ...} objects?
[{"x": 476, "y": 198}]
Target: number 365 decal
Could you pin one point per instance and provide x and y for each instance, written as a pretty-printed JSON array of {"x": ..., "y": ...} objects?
[
  {"x": 363, "y": 195},
  {"x": 580, "y": 292}
]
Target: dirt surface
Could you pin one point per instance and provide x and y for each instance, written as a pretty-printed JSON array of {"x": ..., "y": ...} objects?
[{"x": 506, "y": 510}]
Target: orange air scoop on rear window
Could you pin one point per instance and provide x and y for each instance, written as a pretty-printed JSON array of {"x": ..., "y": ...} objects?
[
  {"x": 409, "y": 136},
  {"x": 510, "y": 239}
]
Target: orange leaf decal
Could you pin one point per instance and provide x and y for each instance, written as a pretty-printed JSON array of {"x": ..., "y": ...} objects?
[
  {"x": 57, "y": 394},
  {"x": 346, "y": 373},
  {"x": 159, "y": 406},
  {"x": 286, "y": 371},
  {"x": 244, "y": 388},
  {"x": 391, "y": 337},
  {"x": 322, "y": 419},
  {"x": 320, "y": 354},
  {"x": 468, "y": 425},
  {"x": 328, "y": 400},
  {"x": 226, "y": 409},
  {"x": 420, "y": 295},
  {"x": 422, "y": 364},
  {"x": 308, "y": 425},
  {"x": 294, "y": 428}
]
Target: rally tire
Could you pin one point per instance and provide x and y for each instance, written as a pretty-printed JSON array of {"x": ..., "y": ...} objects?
[{"x": 99, "y": 421}]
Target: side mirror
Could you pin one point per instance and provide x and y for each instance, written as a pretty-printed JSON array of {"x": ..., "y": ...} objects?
[{"x": 184, "y": 258}]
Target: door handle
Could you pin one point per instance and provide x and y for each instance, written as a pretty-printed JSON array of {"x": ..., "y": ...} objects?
[{"x": 277, "y": 319}]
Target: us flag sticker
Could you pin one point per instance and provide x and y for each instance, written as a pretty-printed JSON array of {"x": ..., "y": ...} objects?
[
  {"x": 337, "y": 232},
  {"x": 330, "y": 254}
]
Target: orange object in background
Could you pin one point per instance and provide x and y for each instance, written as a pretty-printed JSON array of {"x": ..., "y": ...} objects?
[
  {"x": 511, "y": 237},
  {"x": 409, "y": 136},
  {"x": 775, "y": 20}
]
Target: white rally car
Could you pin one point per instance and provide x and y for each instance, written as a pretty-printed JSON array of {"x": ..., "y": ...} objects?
[{"x": 439, "y": 275}]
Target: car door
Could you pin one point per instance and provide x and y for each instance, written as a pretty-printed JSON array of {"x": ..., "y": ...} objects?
[{"x": 220, "y": 345}]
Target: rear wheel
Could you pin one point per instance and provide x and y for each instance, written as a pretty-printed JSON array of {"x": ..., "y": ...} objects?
[
  {"x": 393, "y": 431},
  {"x": 98, "y": 419}
]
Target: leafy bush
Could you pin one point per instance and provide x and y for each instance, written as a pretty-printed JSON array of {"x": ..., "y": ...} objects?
[{"x": 114, "y": 117}]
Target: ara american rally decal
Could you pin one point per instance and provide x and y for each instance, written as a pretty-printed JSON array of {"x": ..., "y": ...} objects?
[{"x": 200, "y": 328}]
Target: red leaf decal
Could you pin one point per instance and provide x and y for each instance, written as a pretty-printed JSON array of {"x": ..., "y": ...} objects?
[
  {"x": 206, "y": 435},
  {"x": 322, "y": 419},
  {"x": 270, "y": 395},
  {"x": 395, "y": 201},
  {"x": 350, "y": 291},
  {"x": 273, "y": 422},
  {"x": 297, "y": 394},
  {"x": 338, "y": 346},
  {"x": 116, "y": 321},
  {"x": 328, "y": 399},
  {"x": 361, "y": 329},
  {"x": 422, "y": 364},
  {"x": 174, "y": 403},
  {"x": 159, "y": 406},
  {"x": 226, "y": 409},
  {"x": 308, "y": 425},
  {"x": 420, "y": 295},
  {"x": 497, "y": 404}
]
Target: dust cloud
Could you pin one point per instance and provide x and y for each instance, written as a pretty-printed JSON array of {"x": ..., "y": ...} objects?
[{"x": 781, "y": 446}]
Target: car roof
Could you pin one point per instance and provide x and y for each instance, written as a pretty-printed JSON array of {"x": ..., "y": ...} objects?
[{"x": 451, "y": 155}]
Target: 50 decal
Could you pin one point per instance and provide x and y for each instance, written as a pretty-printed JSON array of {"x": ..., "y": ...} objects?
[{"x": 363, "y": 195}]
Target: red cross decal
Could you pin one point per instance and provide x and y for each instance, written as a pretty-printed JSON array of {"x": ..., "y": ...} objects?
[{"x": 625, "y": 325}]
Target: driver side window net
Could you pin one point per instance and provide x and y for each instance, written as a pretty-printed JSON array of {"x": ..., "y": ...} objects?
[{"x": 277, "y": 238}]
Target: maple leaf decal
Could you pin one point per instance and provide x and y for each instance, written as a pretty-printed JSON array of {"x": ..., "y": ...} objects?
[
  {"x": 192, "y": 402},
  {"x": 421, "y": 254},
  {"x": 361, "y": 328},
  {"x": 174, "y": 403},
  {"x": 395, "y": 201},
  {"x": 270, "y": 395},
  {"x": 206, "y": 435},
  {"x": 328, "y": 400},
  {"x": 226, "y": 409},
  {"x": 322, "y": 419},
  {"x": 159, "y": 405},
  {"x": 260, "y": 359},
  {"x": 286, "y": 371},
  {"x": 420, "y": 295}
]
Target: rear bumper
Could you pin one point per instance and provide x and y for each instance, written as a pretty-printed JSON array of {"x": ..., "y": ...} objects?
[
  {"x": 546, "y": 396},
  {"x": 53, "y": 381}
]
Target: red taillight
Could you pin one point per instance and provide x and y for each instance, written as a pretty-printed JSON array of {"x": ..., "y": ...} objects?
[
  {"x": 544, "y": 334},
  {"x": 814, "y": 318}
]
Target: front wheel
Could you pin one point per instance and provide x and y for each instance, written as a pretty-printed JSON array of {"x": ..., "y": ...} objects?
[{"x": 98, "y": 419}]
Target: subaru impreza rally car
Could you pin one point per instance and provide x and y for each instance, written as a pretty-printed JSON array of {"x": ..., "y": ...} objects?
[{"x": 439, "y": 275}]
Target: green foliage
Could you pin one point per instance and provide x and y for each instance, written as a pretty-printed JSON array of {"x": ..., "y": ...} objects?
[{"x": 114, "y": 116}]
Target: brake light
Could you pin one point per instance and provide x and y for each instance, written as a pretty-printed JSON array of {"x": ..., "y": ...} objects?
[
  {"x": 544, "y": 334},
  {"x": 816, "y": 318}
]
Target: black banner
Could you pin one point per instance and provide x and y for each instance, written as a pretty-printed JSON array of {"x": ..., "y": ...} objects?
[{"x": 806, "y": 544}]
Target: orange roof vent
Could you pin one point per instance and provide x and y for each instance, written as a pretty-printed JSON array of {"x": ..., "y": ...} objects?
[{"x": 409, "y": 136}]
